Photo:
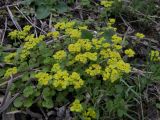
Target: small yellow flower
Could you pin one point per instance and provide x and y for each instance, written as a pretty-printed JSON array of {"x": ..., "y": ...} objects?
[
  {"x": 139, "y": 35},
  {"x": 13, "y": 35},
  {"x": 94, "y": 70},
  {"x": 9, "y": 57},
  {"x": 116, "y": 39},
  {"x": 155, "y": 55},
  {"x": 112, "y": 20},
  {"x": 54, "y": 34},
  {"x": 107, "y": 4},
  {"x": 73, "y": 48},
  {"x": 81, "y": 58},
  {"x": 76, "y": 106},
  {"x": 91, "y": 56},
  {"x": 129, "y": 52},
  {"x": 59, "y": 55},
  {"x": 56, "y": 67},
  {"x": 10, "y": 71},
  {"x": 43, "y": 78},
  {"x": 76, "y": 80},
  {"x": 61, "y": 80},
  {"x": 89, "y": 114},
  {"x": 60, "y": 25},
  {"x": 70, "y": 24}
]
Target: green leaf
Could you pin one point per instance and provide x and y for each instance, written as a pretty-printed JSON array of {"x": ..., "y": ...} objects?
[
  {"x": 62, "y": 7},
  {"x": 108, "y": 35},
  {"x": 158, "y": 105},
  {"x": 28, "y": 102},
  {"x": 18, "y": 102},
  {"x": 85, "y": 2},
  {"x": 43, "y": 12},
  {"x": 28, "y": 2},
  {"x": 120, "y": 112},
  {"x": 86, "y": 34},
  {"x": 48, "y": 103},
  {"x": 28, "y": 91},
  {"x": 46, "y": 92}
]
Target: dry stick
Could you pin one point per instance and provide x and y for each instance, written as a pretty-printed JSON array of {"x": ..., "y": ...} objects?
[
  {"x": 29, "y": 20},
  {"x": 35, "y": 115},
  {"x": 12, "y": 18},
  {"x": 6, "y": 105},
  {"x": 7, "y": 100},
  {"x": 4, "y": 31},
  {"x": 44, "y": 114}
]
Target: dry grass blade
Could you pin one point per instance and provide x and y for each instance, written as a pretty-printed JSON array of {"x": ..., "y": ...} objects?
[
  {"x": 29, "y": 20},
  {"x": 13, "y": 20},
  {"x": 4, "y": 31}
]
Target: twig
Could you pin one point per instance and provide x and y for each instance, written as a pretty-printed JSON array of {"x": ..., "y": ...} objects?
[
  {"x": 4, "y": 31},
  {"x": 29, "y": 20},
  {"x": 12, "y": 18},
  {"x": 35, "y": 115}
]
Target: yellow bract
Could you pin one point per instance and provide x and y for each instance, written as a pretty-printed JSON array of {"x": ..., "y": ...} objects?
[
  {"x": 93, "y": 70},
  {"x": 43, "y": 78},
  {"x": 89, "y": 114},
  {"x": 155, "y": 55},
  {"x": 76, "y": 106},
  {"x": 139, "y": 35},
  {"x": 30, "y": 43},
  {"x": 107, "y": 4},
  {"x": 20, "y": 34},
  {"x": 59, "y": 55},
  {"x": 9, "y": 57},
  {"x": 116, "y": 39},
  {"x": 76, "y": 80},
  {"x": 61, "y": 79},
  {"x": 10, "y": 71},
  {"x": 54, "y": 34},
  {"x": 129, "y": 52}
]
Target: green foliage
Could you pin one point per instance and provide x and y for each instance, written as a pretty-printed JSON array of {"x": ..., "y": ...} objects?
[{"x": 46, "y": 63}]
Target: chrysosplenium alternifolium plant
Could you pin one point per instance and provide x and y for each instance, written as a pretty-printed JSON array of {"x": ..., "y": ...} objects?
[{"x": 57, "y": 68}]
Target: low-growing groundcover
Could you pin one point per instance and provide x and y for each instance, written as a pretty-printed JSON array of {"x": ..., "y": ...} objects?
[
  {"x": 77, "y": 63},
  {"x": 82, "y": 70}
]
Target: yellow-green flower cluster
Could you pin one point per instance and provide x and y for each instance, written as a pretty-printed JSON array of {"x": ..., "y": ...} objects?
[
  {"x": 86, "y": 56},
  {"x": 76, "y": 80},
  {"x": 155, "y": 55},
  {"x": 64, "y": 25},
  {"x": 81, "y": 44},
  {"x": 56, "y": 67},
  {"x": 76, "y": 106},
  {"x": 69, "y": 29},
  {"x": 94, "y": 70},
  {"x": 89, "y": 114},
  {"x": 139, "y": 35},
  {"x": 20, "y": 34},
  {"x": 97, "y": 43},
  {"x": 115, "y": 69},
  {"x": 30, "y": 43},
  {"x": 116, "y": 39},
  {"x": 59, "y": 55},
  {"x": 9, "y": 58},
  {"x": 107, "y": 4},
  {"x": 61, "y": 79},
  {"x": 10, "y": 71},
  {"x": 43, "y": 78},
  {"x": 129, "y": 52},
  {"x": 54, "y": 34},
  {"x": 73, "y": 33},
  {"x": 86, "y": 51}
]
